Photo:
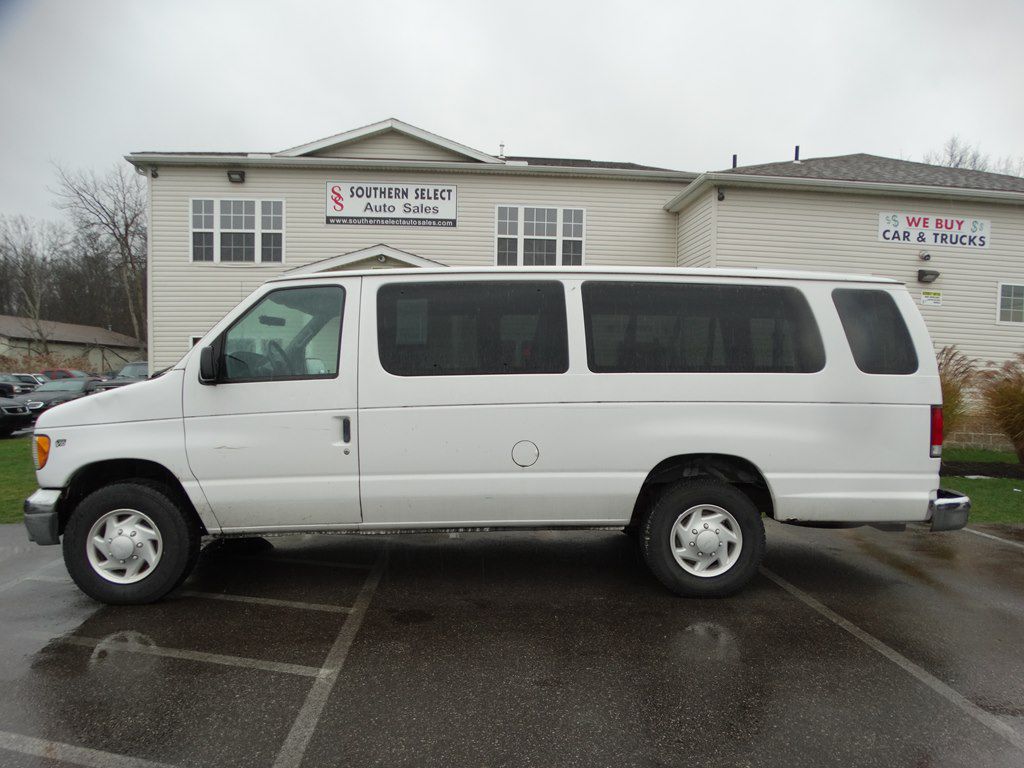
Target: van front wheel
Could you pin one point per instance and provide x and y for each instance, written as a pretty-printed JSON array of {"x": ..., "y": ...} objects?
[
  {"x": 703, "y": 538},
  {"x": 129, "y": 543}
]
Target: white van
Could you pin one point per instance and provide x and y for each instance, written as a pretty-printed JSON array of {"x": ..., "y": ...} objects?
[{"x": 680, "y": 405}]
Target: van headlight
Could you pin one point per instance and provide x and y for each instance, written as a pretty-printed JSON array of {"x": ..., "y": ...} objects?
[{"x": 40, "y": 450}]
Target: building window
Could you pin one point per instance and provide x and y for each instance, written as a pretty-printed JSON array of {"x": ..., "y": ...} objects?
[
  {"x": 1011, "y": 303},
  {"x": 238, "y": 231},
  {"x": 547, "y": 237},
  {"x": 272, "y": 224},
  {"x": 202, "y": 230}
]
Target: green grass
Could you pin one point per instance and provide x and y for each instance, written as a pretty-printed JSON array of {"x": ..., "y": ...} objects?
[
  {"x": 998, "y": 500},
  {"x": 977, "y": 454},
  {"x": 17, "y": 477}
]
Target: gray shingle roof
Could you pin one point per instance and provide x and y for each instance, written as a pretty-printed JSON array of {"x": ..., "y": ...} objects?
[
  {"x": 569, "y": 162},
  {"x": 872, "y": 168},
  {"x": 14, "y": 327}
]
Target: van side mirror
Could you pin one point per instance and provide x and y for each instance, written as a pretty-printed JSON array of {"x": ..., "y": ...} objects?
[{"x": 208, "y": 373}]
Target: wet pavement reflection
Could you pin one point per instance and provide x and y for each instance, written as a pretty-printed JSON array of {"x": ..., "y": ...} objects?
[{"x": 537, "y": 648}]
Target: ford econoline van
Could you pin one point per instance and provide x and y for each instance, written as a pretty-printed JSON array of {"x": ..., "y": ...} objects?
[{"x": 683, "y": 406}]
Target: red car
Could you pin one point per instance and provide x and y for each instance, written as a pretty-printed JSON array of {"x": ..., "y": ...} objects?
[{"x": 64, "y": 373}]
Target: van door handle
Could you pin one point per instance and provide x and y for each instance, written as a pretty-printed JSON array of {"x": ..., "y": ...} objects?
[{"x": 346, "y": 429}]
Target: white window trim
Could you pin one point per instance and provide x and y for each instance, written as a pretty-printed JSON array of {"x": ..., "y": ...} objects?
[
  {"x": 999, "y": 302},
  {"x": 258, "y": 231},
  {"x": 559, "y": 237},
  {"x": 195, "y": 338}
]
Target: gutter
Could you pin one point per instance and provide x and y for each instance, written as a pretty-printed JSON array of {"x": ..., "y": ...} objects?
[
  {"x": 707, "y": 180},
  {"x": 144, "y": 160}
]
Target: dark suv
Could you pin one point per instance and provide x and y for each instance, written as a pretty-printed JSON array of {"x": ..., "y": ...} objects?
[{"x": 11, "y": 386}]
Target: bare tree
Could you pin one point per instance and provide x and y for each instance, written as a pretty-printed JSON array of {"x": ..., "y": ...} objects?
[
  {"x": 114, "y": 206},
  {"x": 28, "y": 247},
  {"x": 957, "y": 153},
  {"x": 1011, "y": 166}
]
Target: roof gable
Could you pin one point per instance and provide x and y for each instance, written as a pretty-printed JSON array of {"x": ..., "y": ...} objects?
[
  {"x": 888, "y": 170},
  {"x": 384, "y": 253},
  {"x": 401, "y": 140}
]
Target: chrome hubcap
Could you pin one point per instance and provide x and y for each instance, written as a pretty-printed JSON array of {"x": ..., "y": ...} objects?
[
  {"x": 706, "y": 540},
  {"x": 124, "y": 546}
]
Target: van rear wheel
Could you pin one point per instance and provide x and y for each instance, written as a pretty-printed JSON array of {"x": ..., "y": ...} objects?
[
  {"x": 130, "y": 543},
  {"x": 703, "y": 538}
]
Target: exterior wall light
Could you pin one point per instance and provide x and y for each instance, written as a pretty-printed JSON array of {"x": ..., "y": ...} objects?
[
  {"x": 927, "y": 275},
  {"x": 236, "y": 177}
]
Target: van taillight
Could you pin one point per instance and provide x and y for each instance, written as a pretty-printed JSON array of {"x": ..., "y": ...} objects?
[{"x": 936, "y": 440}]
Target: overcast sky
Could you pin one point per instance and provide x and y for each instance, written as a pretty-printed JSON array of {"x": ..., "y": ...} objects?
[{"x": 676, "y": 84}]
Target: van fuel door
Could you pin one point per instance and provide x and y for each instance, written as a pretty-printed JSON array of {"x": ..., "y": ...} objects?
[{"x": 525, "y": 453}]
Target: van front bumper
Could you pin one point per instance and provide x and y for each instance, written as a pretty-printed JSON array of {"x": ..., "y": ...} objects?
[
  {"x": 949, "y": 510},
  {"x": 41, "y": 518}
]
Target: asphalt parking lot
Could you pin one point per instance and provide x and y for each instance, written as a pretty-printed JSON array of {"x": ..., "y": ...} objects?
[{"x": 852, "y": 648}]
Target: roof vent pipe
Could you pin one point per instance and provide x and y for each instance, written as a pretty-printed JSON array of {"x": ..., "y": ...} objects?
[
  {"x": 501, "y": 150},
  {"x": 734, "y": 161},
  {"x": 796, "y": 154}
]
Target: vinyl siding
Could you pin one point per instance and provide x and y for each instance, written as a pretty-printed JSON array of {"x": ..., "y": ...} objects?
[
  {"x": 625, "y": 225},
  {"x": 393, "y": 146},
  {"x": 837, "y": 232},
  {"x": 695, "y": 233}
]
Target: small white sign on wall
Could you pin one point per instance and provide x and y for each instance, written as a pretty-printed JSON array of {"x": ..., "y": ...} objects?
[
  {"x": 931, "y": 298},
  {"x": 928, "y": 230}
]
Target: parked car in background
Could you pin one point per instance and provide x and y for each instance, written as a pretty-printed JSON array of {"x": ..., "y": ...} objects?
[
  {"x": 107, "y": 384},
  {"x": 65, "y": 373},
  {"x": 14, "y": 415},
  {"x": 35, "y": 379},
  {"x": 59, "y": 391},
  {"x": 11, "y": 386},
  {"x": 134, "y": 371}
]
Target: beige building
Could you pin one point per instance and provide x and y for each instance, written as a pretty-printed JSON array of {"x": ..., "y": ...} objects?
[
  {"x": 390, "y": 194},
  {"x": 104, "y": 350}
]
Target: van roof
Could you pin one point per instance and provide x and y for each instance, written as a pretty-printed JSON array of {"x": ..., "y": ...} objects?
[{"x": 761, "y": 274}]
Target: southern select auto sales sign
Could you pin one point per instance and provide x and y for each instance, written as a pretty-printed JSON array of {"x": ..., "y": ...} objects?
[
  {"x": 936, "y": 231},
  {"x": 385, "y": 203}
]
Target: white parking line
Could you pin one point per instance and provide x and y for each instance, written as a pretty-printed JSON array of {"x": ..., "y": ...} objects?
[
  {"x": 50, "y": 579},
  {"x": 69, "y": 753},
  {"x": 325, "y": 607},
  {"x": 294, "y": 747},
  {"x": 179, "y": 653},
  {"x": 958, "y": 700},
  {"x": 1016, "y": 544},
  {"x": 28, "y": 576}
]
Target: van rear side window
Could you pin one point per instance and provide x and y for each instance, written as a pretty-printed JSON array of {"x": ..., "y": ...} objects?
[
  {"x": 878, "y": 336},
  {"x": 647, "y": 327},
  {"x": 472, "y": 328}
]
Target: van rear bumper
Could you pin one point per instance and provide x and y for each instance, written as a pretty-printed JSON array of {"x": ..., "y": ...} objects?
[
  {"x": 949, "y": 510},
  {"x": 41, "y": 516}
]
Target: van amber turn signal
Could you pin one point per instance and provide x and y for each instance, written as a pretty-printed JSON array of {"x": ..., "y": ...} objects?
[{"x": 40, "y": 450}]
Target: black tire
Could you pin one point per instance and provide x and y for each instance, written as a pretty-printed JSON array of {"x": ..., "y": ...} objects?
[
  {"x": 656, "y": 537},
  {"x": 178, "y": 530}
]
